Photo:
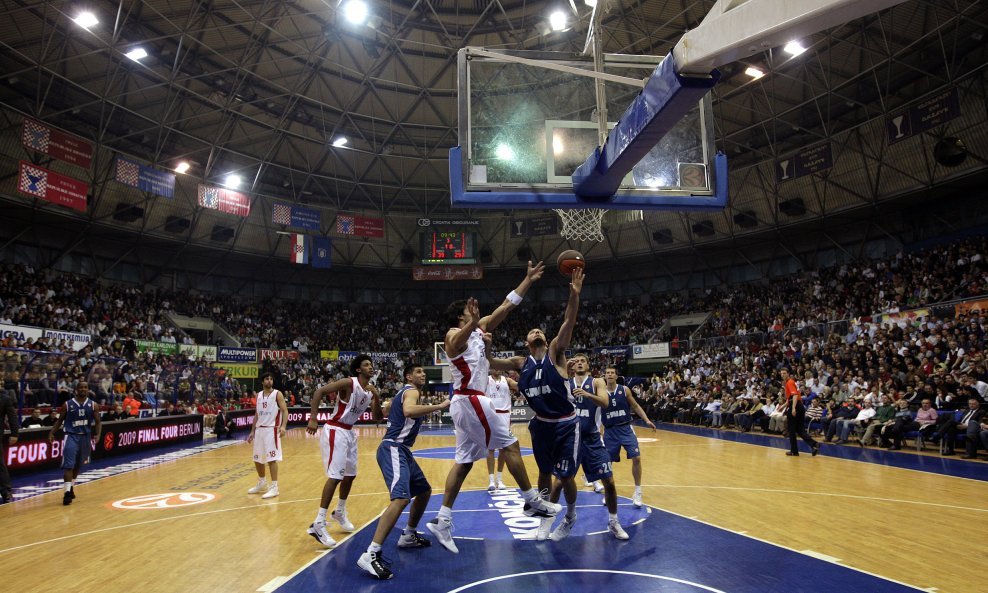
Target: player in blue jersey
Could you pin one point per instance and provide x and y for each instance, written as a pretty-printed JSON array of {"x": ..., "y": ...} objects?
[
  {"x": 590, "y": 397},
  {"x": 81, "y": 420},
  {"x": 617, "y": 428},
  {"x": 401, "y": 472},
  {"x": 555, "y": 430}
]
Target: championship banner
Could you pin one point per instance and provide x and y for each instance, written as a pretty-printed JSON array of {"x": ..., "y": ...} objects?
[
  {"x": 358, "y": 226},
  {"x": 235, "y": 354},
  {"x": 300, "y": 416},
  {"x": 224, "y": 200},
  {"x": 144, "y": 178},
  {"x": 925, "y": 115},
  {"x": 52, "y": 187},
  {"x": 447, "y": 273},
  {"x": 660, "y": 350},
  {"x": 533, "y": 227},
  {"x": 241, "y": 371},
  {"x": 56, "y": 144},
  {"x": 296, "y": 216},
  {"x": 971, "y": 307},
  {"x": 279, "y": 355},
  {"x": 329, "y": 354}
]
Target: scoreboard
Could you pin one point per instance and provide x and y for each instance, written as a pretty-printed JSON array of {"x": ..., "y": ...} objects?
[{"x": 449, "y": 247}]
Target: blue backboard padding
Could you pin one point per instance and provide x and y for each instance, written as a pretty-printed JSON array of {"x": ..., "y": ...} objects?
[
  {"x": 665, "y": 100},
  {"x": 536, "y": 199}
]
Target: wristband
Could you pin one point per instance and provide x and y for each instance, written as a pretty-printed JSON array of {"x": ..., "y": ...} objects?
[{"x": 514, "y": 298}]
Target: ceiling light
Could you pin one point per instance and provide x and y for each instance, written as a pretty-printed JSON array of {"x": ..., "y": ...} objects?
[
  {"x": 557, "y": 20},
  {"x": 504, "y": 152},
  {"x": 590, "y": 3},
  {"x": 182, "y": 167},
  {"x": 86, "y": 20},
  {"x": 355, "y": 11},
  {"x": 341, "y": 141},
  {"x": 232, "y": 180},
  {"x": 754, "y": 72},
  {"x": 137, "y": 54},
  {"x": 794, "y": 48}
]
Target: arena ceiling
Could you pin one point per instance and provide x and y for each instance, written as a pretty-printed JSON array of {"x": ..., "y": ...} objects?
[{"x": 262, "y": 88}]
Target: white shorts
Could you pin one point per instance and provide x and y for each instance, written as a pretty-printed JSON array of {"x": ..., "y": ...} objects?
[
  {"x": 505, "y": 419},
  {"x": 267, "y": 445},
  {"x": 339, "y": 451},
  {"x": 478, "y": 428}
]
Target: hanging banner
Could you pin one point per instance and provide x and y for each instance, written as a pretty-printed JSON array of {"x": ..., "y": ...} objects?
[
  {"x": 447, "y": 273},
  {"x": 971, "y": 307},
  {"x": 805, "y": 162},
  {"x": 297, "y": 216},
  {"x": 56, "y": 144},
  {"x": 329, "y": 354},
  {"x": 279, "y": 355},
  {"x": 928, "y": 113},
  {"x": 358, "y": 226},
  {"x": 660, "y": 350},
  {"x": 235, "y": 354},
  {"x": 533, "y": 227},
  {"x": 241, "y": 371},
  {"x": 224, "y": 200},
  {"x": 156, "y": 347},
  {"x": 52, "y": 187},
  {"x": 77, "y": 340},
  {"x": 144, "y": 178}
]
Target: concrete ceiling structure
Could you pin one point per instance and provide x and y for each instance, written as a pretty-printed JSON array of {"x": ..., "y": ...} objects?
[{"x": 262, "y": 88}]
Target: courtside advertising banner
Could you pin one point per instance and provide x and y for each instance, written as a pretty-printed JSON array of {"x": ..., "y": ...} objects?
[
  {"x": 21, "y": 333},
  {"x": 78, "y": 341},
  {"x": 279, "y": 355}
]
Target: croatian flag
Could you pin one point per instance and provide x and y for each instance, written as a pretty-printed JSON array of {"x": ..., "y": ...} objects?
[{"x": 300, "y": 249}]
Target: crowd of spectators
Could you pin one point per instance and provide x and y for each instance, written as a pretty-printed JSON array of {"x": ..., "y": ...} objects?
[
  {"x": 865, "y": 385},
  {"x": 857, "y": 361}
]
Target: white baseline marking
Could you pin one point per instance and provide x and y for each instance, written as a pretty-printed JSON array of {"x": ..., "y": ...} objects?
[{"x": 586, "y": 570}]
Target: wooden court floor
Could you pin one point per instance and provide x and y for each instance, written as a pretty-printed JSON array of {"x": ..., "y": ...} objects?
[{"x": 923, "y": 529}]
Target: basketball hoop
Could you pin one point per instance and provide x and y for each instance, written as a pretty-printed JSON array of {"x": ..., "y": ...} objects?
[{"x": 582, "y": 224}]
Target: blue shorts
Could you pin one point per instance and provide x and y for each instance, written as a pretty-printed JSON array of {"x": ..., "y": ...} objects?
[
  {"x": 402, "y": 473},
  {"x": 76, "y": 450},
  {"x": 556, "y": 446},
  {"x": 596, "y": 462},
  {"x": 616, "y": 437}
]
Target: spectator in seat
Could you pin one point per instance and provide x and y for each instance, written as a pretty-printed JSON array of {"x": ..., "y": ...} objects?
[
  {"x": 117, "y": 413},
  {"x": 34, "y": 420},
  {"x": 884, "y": 418},
  {"x": 814, "y": 413},
  {"x": 132, "y": 405},
  {"x": 846, "y": 425},
  {"x": 847, "y": 411},
  {"x": 904, "y": 422},
  {"x": 948, "y": 427},
  {"x": 223, "y": 426}
]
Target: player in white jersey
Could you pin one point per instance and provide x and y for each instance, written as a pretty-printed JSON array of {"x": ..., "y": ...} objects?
[
  {"x": 338, "y": 442},
  {"x": 270, "y": 423},
  {"x": 474, "y": 419},
  {"x": 499, "y": 389}
]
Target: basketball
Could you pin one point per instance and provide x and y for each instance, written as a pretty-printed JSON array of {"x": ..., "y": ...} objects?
[{"x": 570, "y": 260}]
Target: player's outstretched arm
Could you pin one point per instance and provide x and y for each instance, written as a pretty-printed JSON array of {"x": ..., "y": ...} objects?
[
  {"x": 561, "y": 342},
  {"x": 515, "y": 363},
  {"x": 413, "y": 409},
  {"x": 456, "y": 339},
  {"x": 514, "y": 298}
]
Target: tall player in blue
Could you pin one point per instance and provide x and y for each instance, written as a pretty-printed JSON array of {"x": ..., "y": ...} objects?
[
  {"x": 555, "y": 429},
  {"x": 401, "y": 472},
  {"x": 617, "y": 428},
  {"x": 81, "y": 421}
]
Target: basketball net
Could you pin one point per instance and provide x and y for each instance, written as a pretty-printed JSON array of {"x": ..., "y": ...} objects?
[{"x": 583, "y": 224}]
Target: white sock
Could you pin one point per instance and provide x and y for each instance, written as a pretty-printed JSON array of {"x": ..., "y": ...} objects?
[
  {"x": 571, "y": 511},
  {"x": 274, "y": 484},
  {"x": 612, "y": 517},
  {"x": 409, "y": 530},
  {"x": 491, "y": 476},
  {"x": 321, "y": 516},
  {"x": 373, "y": 548},
  {"x": 499, "y": 480},
  {"x": 341, "y": 506},
  {"x": 67, "y": 486},
  {"x": 261, "y": 481},
  {"x": 445, "y": 512},
  {"x": 638, "y": 489},
  {"x": 530, "y": 495}
]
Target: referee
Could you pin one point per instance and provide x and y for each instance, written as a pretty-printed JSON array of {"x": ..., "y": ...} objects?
[{"x": 796, "y": 416}]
